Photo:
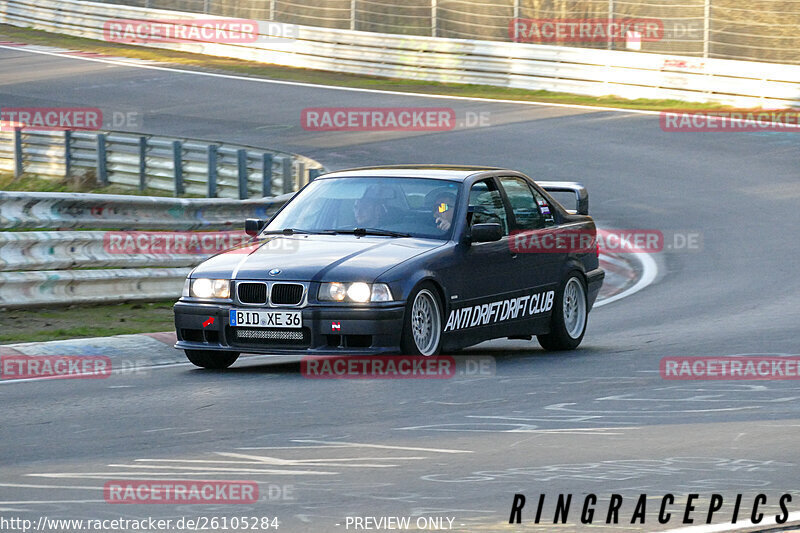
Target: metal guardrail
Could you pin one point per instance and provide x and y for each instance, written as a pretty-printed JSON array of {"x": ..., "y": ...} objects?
[
  {"x": 66, "y": 250},
  {"x": 36, "y": 210},
  {"x": 63, "y": 267},
  {"x": 517, "y": 65},
  {"x": 180, "y": 166},
  {"x": 29, "y": 289}
]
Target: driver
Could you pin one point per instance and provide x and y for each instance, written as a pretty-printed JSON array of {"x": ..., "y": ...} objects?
[{"x": 369, "y": 210}]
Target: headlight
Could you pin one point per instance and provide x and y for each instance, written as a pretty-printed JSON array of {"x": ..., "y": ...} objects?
[
  {"x": 335, "y": 292},
  {"x": 358, "y": 292},
  {"x": 211, "y": 288}
]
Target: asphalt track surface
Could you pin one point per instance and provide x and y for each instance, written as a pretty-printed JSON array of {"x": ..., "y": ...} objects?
[{"x": 598, "y": 420}]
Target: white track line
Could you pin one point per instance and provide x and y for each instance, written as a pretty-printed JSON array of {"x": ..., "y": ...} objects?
[
  {"x": 382, "y": 446},
  {"x": 79, "y": 376}
]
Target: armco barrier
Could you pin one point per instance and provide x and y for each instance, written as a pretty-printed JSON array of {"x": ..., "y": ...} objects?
[
  {"x": 63, "y": 250},
  {"x": 36, "y": 210},
  {"x": 162, "y": 163},
  {"x": 515, "y": 65},
  {"x": 44, "y": 267},
  {"x": 22, "y": 289}
]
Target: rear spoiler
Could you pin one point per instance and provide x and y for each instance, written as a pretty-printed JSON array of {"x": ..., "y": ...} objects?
[{"x": 581, "y": 196}]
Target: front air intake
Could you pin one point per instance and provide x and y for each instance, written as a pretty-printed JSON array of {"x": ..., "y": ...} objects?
[
  {"x": 286, "y": 294},
  {"x": 252, "y": 293}
]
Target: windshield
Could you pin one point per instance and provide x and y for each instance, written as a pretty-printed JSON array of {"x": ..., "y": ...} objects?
[{"x": 395, "y": 207}]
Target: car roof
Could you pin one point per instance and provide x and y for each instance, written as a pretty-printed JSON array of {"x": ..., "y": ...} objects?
[{"x": 445, "y": 172}]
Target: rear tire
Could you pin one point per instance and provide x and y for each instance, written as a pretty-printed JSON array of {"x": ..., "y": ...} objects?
[
  {"x": 570, "y": 316},
  {"x": 422, "y": 322},
  {"x": 212, "y": 359}
]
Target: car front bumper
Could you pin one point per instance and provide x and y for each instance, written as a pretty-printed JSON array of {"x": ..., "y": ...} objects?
[{"x": 327, "y": 330}]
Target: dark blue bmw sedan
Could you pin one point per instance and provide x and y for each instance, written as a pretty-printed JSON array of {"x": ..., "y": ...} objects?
[{"x": 409, "y": 259}]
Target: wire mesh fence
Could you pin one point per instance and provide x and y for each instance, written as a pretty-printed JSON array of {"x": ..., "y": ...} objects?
[{"x": 758, "y": 30}]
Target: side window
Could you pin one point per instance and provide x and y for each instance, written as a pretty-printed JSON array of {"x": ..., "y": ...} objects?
[
  {"x": 523, "y": 204},
  {"x": 544, "y": 207},
  {"x": 486, "y": 205}
]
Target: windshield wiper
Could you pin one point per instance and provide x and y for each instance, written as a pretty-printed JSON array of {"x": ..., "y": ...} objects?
[
  {"x": 295, "y": 231},
  {"x": 373, "y": 231}
]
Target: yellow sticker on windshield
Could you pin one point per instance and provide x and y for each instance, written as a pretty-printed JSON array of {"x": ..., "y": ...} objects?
[{"x": 443, "y": 207}]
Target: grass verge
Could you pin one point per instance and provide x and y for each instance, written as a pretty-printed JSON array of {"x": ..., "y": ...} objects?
[
  {"x": 76, "y": 321},
  {"x": 83, "y": 183}
]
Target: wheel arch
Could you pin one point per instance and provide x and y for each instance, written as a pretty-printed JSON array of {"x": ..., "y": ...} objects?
[
  {"x": 439, "y": 292},
  {"x": 573, "y": 265},
  {"x": 409, "y": 285}
]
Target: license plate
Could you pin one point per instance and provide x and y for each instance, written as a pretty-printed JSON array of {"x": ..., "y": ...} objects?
[{"x": 265, "y": 319}]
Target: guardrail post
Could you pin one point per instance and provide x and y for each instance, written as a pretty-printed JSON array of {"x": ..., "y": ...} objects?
[
  {"x": 241, "y": 156},
  {"x": 706, "y": 28},
  {"x": 610, "y": 21},
  {"x": 212, "y": 170},
  {"x": 352, "y": 15},
  {"x": 102, "y": 162},
  {"x": 286, "y": 169},
  {"x": 67, "y": 153},
  {"x": 266, "y": 175},
  {"x": 177, "y": 161},
  {"x": 301, "y": 174},
  {"x": 142, "y": 163},
  {"x": 313, "y": 174},
  {"x": 271, "y": 9},
  {"x": 18, "y": 168},
  {"x": 434, "y": 18},
  {"x": 206, "y": 5}
]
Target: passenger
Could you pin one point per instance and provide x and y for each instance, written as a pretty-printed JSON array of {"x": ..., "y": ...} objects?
[{"x": 443, "y": 207}]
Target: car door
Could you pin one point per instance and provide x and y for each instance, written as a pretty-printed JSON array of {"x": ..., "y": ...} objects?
[
  {"x": 485, "y": 273},
  {"x": 539, "y": 268}
]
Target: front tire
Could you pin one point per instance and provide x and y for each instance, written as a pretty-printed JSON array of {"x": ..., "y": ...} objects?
[
  {"x": 212, "y": 359},
  {"x": 570, "y": 315},
  {"x": 422, "y": 323}
]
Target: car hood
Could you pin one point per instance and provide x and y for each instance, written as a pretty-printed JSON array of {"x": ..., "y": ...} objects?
[{"x": 314, "y": 258}]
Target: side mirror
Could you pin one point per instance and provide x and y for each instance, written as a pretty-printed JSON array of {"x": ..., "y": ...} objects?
[
  {"x": 252, "y": 226},
  {"x": 486, "y": 232}
]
